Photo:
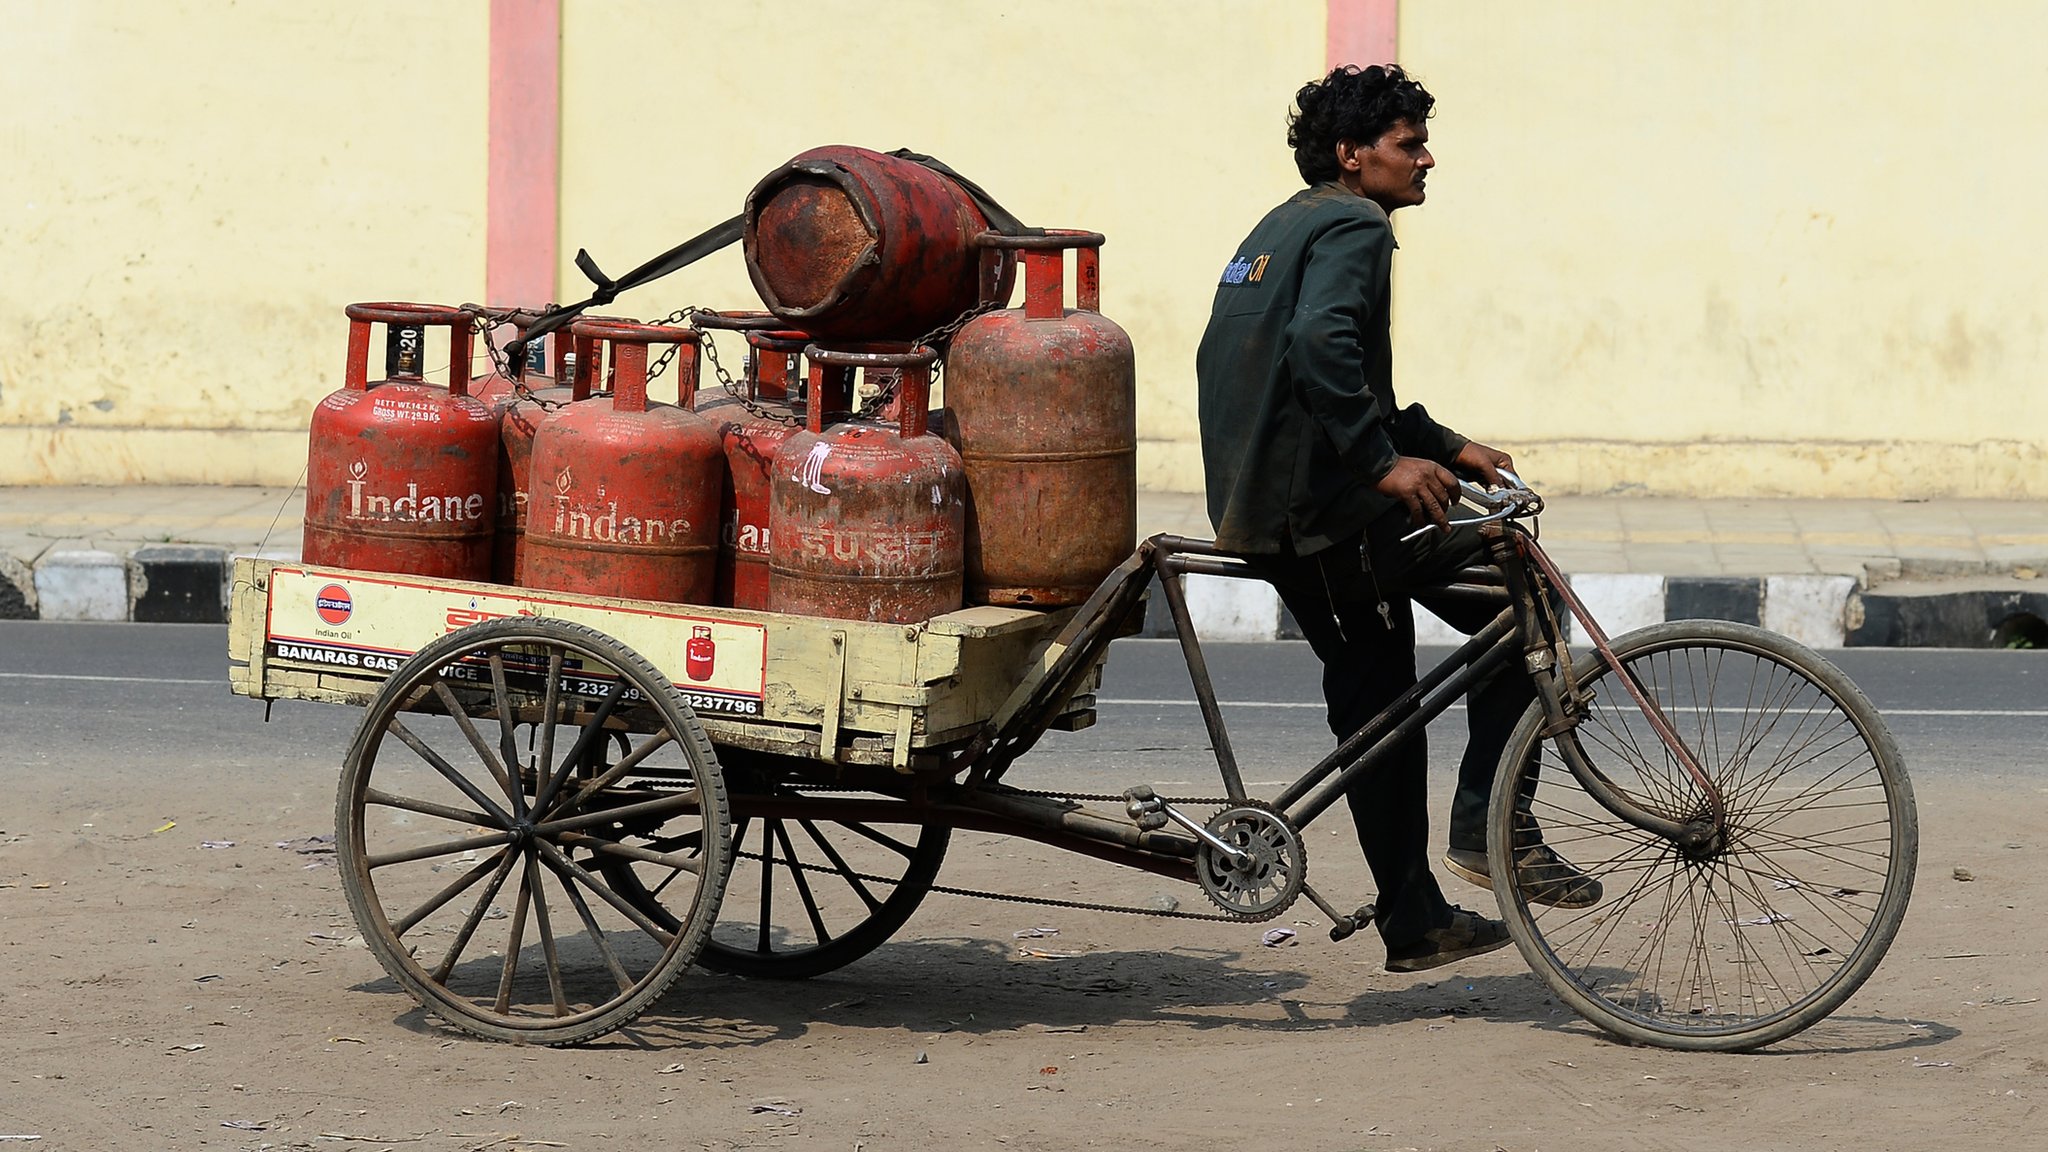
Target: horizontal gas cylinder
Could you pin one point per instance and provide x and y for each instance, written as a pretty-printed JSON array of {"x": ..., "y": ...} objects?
[
  {"x": 1042, "y": 405},
  {"x": 865, "y": 521},
  {"x": 850, "y": 244},
  {"x": 625, "y": 491},
  {"x": 401, "y": 474}
]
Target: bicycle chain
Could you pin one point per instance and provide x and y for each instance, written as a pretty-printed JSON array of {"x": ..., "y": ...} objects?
[
  {"x": 1010, "y": 897},
  {"x": 1036, "y": 901}
]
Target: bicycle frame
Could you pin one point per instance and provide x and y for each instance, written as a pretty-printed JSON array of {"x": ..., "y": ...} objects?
[{"x": 1526, "y": 628}]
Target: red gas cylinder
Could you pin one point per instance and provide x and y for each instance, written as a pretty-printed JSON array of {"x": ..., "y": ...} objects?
[
  {"x": 753, "y": 434},
  {"x": 626, "y": 491},
  {"x": 866, "y": 521},
  {"x": 402, "y": 474},
  {"x": 522, "y": 408},
  {"x": 1043, "y": 408},
  {"x": 851, "y": 244}
]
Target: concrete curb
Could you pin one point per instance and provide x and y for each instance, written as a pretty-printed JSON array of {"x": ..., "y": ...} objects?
[
  {"x": 188, "y": 584},
  {"x": 1818, "y": 611}
]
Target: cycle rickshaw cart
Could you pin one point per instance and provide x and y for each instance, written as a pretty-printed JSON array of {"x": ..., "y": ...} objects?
[{"x": 555, "y": 803}]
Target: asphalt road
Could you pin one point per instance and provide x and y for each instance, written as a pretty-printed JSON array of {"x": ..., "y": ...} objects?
[{"x": 102, "y": 699}]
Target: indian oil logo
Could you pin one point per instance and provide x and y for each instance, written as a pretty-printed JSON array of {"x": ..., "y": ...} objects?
[
  {"x": 334, "y": 604},
  {"x": 1244, "y": 270}
]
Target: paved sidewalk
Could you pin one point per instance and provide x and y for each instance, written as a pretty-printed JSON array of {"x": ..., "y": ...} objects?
[{"x": 1831, "y": 572}]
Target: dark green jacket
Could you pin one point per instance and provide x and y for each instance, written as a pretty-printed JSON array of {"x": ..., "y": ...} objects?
[{"x": 1295, "y": 374}]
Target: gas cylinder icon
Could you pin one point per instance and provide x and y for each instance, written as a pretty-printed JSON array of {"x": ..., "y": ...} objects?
[{"x": 697, "y": 656}]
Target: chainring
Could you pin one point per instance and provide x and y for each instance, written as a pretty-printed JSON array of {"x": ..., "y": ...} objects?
[{"x": 1269, "y": 876}]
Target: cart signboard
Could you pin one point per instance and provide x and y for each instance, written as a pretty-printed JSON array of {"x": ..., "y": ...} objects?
[{"x": 352, "y": 622}]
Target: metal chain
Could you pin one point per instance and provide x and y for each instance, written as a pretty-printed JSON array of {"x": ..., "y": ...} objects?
[
  {"x": 486, "y": 325},
  {"x": 1008, "y": 897},
  {"x": 938, "y": 339}
]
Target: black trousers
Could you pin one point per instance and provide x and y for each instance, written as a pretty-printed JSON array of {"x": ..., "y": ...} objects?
[{"x": 1368, "y": 661}]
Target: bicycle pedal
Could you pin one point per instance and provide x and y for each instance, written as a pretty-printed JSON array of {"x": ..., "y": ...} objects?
[
  {"x": 1145, "y": 807},
  {"x": 1346, "y": 925}
]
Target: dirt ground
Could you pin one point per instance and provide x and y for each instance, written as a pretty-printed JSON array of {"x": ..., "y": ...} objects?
[{"x": 165, "y": 994}]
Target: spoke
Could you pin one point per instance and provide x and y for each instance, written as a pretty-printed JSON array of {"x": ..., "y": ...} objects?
[
  {"x": 442, "y": 848},
  {"x": 613, "y": 774},
  {"x": 597, "y": 937},
  {"x": 465, "y": 816},
  {"x": 551, "y": 707},
  {"x": 852, "y": 878},
  {"x": 896, "y": 846},
  {"x": 565, "y": 867},
  {"x": 670, "y": 860},
  {"x": 803, "y": 886},
  {"x": 547, "y": 935},
  {"x": 514, "y": 941},
  {"x": 454, "y": 888},
  {"x": 767, "y": 884},
  {"x": 475, "y": 917},
  {"x": 592, "y": 730},
  {"x": 463, "y": 783},
  {"x": 498, "y": 770},
  {"x": 508, "y": 743}
]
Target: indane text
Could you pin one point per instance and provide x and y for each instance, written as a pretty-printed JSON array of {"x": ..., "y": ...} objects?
[
  {"x": 612, "y": 528},
  {"x": 412, "y": 507}
]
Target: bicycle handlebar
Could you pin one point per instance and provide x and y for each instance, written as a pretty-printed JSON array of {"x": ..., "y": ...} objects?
[{"x": 1505, "y": 502}]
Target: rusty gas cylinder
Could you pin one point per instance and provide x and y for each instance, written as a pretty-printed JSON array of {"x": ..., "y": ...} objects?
[
  {"x": 865, "y": 521},
  {"x": 849, "y": 244},
  {"x": 402, "y": 475},
  {"x": 625, "y": 491},
  {"x": 753, "y": 433},
  {"x": 522, "y": 407},
  {"x": 1042, "y": 404}
]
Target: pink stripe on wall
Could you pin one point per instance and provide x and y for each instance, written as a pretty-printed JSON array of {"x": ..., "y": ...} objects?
[
  {"x": 525, "y": 152},
  {"x": 1360, "y": 32}
]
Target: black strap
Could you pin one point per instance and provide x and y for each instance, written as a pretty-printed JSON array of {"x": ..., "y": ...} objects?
[
  {"x": 711, "y": 240},
  {"x": 999, "y": 217}
]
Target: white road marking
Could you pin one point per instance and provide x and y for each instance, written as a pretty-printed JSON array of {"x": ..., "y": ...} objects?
[
  {"x": 107, "y": 679},
  {"x": 2022, "y": 712}
]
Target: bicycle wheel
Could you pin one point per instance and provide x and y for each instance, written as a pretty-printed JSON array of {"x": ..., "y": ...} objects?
[
  {"x": 1740, "y": 943},
  {"x": 804, "y": 896},
  {"x": 446, "y": 822}
]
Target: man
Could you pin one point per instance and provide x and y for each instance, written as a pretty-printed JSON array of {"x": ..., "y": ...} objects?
[{"x": 1315, "y": 473}]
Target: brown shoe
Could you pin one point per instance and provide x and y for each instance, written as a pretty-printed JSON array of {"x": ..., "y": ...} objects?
[
  {"x": 1468, "y": 934},
  {"x": 1543, "y": 875}
]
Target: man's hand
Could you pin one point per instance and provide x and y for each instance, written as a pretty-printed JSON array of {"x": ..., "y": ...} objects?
[
  {"x": 1476, "y": 459},
  {"x": 1425, "y": 487}
]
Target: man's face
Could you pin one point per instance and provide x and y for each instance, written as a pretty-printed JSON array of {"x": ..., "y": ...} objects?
[{"x": 1391, "y": 171}]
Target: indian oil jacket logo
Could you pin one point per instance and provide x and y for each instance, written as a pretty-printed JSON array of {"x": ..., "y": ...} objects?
[
  {"x": 411, "y": 508},
  {"x": 1247, "y": 270},
  {"x": 603, "y": 523}
]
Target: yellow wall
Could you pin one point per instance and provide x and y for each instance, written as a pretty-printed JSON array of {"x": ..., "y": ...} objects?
[
  {"x": 1160, "y": 125},
  {"x": 1741, "y": 248},
  {"x": 189, "y": 194},
  {"x": 1746, "y": 248}
]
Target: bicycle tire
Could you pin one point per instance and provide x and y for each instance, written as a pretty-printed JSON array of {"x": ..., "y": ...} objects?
[{"x": 1788, "y": 916}]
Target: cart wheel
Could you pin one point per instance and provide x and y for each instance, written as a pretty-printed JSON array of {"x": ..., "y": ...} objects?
[
  {"x": 804, "y": 897},
  {"x": 1729, "y": 946},
  {"x": 467, "y": 838}
]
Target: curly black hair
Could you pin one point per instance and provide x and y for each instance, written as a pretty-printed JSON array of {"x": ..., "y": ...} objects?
[{"x": 1351, "y": 103}]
